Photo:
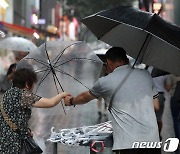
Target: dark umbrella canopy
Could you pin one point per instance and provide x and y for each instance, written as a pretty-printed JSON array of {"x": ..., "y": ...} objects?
[
  {"x": 157, "y": 72},
  {"x": 145, "y": 36}
]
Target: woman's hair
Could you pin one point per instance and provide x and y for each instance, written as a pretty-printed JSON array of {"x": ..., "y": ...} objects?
[{"x": 24, "y": 76}]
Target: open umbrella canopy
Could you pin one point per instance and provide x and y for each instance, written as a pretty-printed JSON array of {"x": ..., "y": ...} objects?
[
  {"x": 145, "y": 36},
  {"x": 62, "y": 66},
  {"x": 13, "y": 49},
  {"x": 17, "y": 44},
  {"x": 157, "y": 72}
]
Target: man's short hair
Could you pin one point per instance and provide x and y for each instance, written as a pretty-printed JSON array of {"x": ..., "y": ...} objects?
[{"x": 116, "y": 53}]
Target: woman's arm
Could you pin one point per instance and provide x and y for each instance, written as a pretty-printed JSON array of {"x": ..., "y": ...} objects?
[{"x": 50, "y": 102}]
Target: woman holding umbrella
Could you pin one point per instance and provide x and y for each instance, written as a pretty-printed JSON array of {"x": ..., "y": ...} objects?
[{"x": 16, "y": 104}]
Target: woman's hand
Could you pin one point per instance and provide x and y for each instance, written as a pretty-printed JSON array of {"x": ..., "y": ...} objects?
[{"x": 64, "y": 94}]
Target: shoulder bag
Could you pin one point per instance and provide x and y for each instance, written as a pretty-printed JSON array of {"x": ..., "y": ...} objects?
[
  {"x": 118, "y": 87},
  {"x": 29, "y": 145}
]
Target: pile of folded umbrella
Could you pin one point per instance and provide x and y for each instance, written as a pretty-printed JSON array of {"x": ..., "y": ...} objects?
[{"x": 82, "y": 135}]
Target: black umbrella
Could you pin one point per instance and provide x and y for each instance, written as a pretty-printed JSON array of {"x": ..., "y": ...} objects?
[
  {"x": 62, "y": 66},
  {"x": 145, "y": 36}
]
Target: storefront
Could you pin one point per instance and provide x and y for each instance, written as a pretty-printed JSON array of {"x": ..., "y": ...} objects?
[{"x": 17, "y": 30}]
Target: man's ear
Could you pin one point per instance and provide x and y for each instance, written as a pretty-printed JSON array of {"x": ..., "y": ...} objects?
[
  {"x": 110, "y": 63},
  {"x": 109, "y": 66}
]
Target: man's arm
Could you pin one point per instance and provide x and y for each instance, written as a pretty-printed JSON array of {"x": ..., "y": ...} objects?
[{"x": 82, "y": 98}]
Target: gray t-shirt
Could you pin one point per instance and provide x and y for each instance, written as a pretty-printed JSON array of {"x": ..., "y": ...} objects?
[{"x": 133, "y": 116}]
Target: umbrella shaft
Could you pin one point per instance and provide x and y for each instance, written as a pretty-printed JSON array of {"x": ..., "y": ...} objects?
[
  {"x": 52, "y": 69},
  {"x": 143, "y": 49}
]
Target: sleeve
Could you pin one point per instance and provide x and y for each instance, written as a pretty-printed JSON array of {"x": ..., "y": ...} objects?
[
  {"x": 96, "y": 90},
  {"x": 28, "y": 98}
]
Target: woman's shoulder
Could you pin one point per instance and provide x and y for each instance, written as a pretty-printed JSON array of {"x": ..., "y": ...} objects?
[
  {"x": 11, "y": 96},
  {"x": 13, "y": 91}
]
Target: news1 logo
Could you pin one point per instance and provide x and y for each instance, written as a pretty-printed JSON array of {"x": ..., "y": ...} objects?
[{"x": 171, "y": 145}]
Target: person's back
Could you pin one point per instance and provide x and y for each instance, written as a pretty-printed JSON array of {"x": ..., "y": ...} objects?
[
  {"x": 132, "y": 110},
  {"x": 133, "y": 115}
]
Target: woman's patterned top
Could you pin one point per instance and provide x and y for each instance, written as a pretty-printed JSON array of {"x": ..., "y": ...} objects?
[{"x": 17, "y": 105}]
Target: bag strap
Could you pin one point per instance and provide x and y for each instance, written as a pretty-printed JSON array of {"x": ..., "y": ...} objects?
[
  {"x": 7, "y": 119},
  {"x": 118, "y": 87}
]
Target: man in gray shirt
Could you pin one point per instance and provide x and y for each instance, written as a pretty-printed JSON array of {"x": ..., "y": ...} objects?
[{"x": 132, "y": 111}]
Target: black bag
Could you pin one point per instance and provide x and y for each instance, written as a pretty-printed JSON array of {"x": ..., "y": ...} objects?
[{"x": 30, "y": 146}]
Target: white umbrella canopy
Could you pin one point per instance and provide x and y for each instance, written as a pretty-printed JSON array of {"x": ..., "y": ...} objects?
[
  {"x": 13, "y": 49},
  {"x": 17, "y": 44},
  {"x": 17, "y": 47}
]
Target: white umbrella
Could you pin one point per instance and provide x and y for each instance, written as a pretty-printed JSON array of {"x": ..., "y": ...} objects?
[
  {"x": 17, "y": 44},
  {"x": 13, "y": 49}
]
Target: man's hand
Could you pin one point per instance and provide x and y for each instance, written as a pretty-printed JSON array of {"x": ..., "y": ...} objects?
[
  {"x": 82, "y": 98},
  {"x": 67, "y": 100}
]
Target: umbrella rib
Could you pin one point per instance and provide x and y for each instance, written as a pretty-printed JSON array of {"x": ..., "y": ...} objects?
[
  {"x": 76, "y": 59},
  {"x": 39, "y": 70},
  {"x": 142, "y": 50},
  {"x": 60, "y": 55},
  {"x": 58, "y": 81},
  {"x": 71, "y": 77},
  {"x": 56, "y": 84},
  {"x": 111, "y": 28},
  {"x": 49, "y": 62},
  {"x": 39, "y": 61},
  {"x": 42, "y": 79},
  {"x": 54, "y": 76},
  {"x": 47, "y": 54}
]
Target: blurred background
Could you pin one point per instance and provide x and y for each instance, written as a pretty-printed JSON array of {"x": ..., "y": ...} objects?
[
  {"x": 44, "y": 20},
  {"x": 40, "y": 20}
]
